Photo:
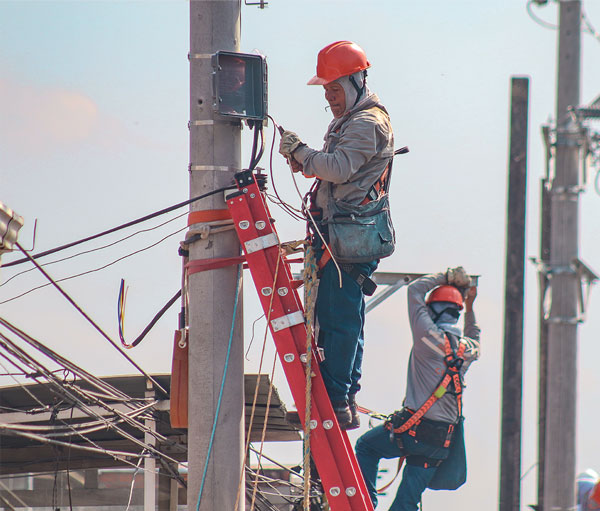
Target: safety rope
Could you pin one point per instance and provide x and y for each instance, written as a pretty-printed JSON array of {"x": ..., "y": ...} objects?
[
  {"x": 254, "y": 400},
  {"x": 386, "y": 486},
  {"x": 310, "y": 280}
]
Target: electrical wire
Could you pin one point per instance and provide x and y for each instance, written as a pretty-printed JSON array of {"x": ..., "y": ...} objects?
[
  {"x": 95, "y": 249},
  {"x": 119, "y": 227},
  {"x": 93, "y": 323},
  {"x": 588, "y": 25},
  {"x": 537, "y": 19},
  {"x": 293, "y": 212},
  {"x": 137, "y": 469},
  {"x": 83, "y": 405},
  {"x": 95, "y": 269},
  {"x": 252, "y": 338},
  {"x": 121, "y": 316},
  {"x": 218, "y": 408},
  {"x": 305, "y": 209}
]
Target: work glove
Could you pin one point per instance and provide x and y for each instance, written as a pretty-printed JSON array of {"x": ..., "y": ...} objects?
[
  {"x": 289, "y": 143},
  {"x": 458, "y": 277}
]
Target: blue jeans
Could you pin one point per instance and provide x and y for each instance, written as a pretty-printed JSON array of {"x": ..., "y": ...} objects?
[
  {"x": 340, "y": 313},
  {"x": 375, "y": 444}
]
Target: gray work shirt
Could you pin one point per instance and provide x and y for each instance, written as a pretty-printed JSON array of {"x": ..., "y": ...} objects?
[
  {"x": 426, "y": 364},
  {"x": 357, "y": 149}
]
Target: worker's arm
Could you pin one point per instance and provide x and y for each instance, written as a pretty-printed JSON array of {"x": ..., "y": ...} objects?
[
  {"x": 420, "y": 320},
  {"x": 471, "y": 328},
  {"x": 355, "y": 147}
]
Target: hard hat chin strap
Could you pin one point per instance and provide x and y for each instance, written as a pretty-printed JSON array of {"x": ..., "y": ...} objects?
[{"x": 359, "y": 90}]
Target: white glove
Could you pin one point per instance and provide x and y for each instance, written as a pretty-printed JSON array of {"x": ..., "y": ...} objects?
[
  {"x": 289, "y": 143},
  {"x": 458, "y": 277}
]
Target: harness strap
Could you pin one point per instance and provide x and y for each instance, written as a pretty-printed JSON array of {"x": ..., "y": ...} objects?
[{"x": 453, "y": 361}]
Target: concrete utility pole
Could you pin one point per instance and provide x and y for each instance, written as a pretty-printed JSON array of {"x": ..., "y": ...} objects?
[
  {"x": 215, "y": 155},
  {"x": 512, "y": 378},
  {"x": 559, "y": 452}
]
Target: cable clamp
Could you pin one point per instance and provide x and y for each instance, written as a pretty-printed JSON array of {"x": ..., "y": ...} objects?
[
  {"x": 565, "y": 320},
  {"x": 287, "y": 321},
  {"x": 212, "y": 122},
  {"x": 261, "y": 243},
  {"x": 201, "y": 122},
  {"x": 219, "y": 168},
  {"x": 567, "y": 190},
  {"x": 204, "y": 231},
  {"x": 195, "y": 56}
]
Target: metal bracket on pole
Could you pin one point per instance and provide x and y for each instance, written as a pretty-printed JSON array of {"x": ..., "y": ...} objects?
[
  {"x": 584, "y": 274},
  {"x": 192, "y": 56},
  {"x": 395, "y": 281},
  {"x": 221, "y": 168},
  {"x": 149, "y": 461}
]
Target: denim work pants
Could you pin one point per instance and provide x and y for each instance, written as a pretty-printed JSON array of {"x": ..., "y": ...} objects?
[
  {"x": 340, "y": 314},
  {"x": 375, "y": 444}
]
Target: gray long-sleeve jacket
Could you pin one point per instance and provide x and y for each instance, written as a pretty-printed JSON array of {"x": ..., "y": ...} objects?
[
  {"x": 426, "y": 364},
  {"x": 357, "y": 148}
]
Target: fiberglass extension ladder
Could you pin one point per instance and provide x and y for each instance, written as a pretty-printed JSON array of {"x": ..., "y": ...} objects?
[{"x": 331, "y": 450}]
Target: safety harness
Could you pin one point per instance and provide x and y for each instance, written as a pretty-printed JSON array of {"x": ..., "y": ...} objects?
[
  {"x": 414, "y": 422},
  {"x": 377, "y": 190}
]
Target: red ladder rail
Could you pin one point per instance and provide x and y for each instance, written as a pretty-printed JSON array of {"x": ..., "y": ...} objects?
[{"x": 330, "y": 447}]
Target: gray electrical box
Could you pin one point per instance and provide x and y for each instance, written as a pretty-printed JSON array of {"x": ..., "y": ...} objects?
[{"x": 240, "y": 85}]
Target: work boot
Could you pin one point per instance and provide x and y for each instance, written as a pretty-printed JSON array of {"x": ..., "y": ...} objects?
[
  {"x": 355, "y": 424},
  {"x": 342, "y": 413}
]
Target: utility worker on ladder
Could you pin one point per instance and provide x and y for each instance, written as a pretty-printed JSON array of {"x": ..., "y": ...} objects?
[
  {"x": 352, "y": 173},
  {"x": 427, "y": 432}
]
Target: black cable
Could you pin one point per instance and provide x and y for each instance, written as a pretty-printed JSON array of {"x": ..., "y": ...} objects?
[
  {"x": 282, "y": 204},
  {"x": 258, "y": 127},
  {"x": 95, "y": 249},
  {"x": 253, "y": 126},
  {"x": 92, "y": 322},
  {"x": 153, "y": 322},
  {"x": 119, "y": 227},
  {"x": 95, "y": 269}
]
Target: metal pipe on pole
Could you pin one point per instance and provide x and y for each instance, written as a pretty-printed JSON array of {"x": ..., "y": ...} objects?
[
  {"x": 215, "y": 155},
  {"x": 512, "y": 377},
  {"x": 559, "y": 451},
  {"x": 543, "y": 330}
]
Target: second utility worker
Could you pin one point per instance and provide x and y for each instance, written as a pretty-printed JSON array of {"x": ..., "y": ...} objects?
[{"x": 350, "y": 203}]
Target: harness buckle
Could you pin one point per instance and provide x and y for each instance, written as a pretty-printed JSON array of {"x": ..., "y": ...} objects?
[{"x": 453, "y": 362}]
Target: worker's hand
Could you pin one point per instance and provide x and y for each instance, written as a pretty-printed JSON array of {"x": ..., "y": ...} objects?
[
  {"x": 470, "y": 298},
  {"x": 295, "y": 165},
  {"x": 458, "y": 277},
  {"x": 289, "y": 143}
]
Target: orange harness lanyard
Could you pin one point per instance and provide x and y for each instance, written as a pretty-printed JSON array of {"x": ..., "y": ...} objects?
[{"x": 453, "y": 361}]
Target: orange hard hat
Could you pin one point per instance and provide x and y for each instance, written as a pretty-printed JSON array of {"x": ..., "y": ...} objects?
[
  {"x": 446, "y": 294},
  {"x": 339, "y": 59}
]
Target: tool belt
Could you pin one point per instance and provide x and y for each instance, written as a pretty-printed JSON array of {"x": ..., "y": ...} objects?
[{"x": 435, "y": 433}]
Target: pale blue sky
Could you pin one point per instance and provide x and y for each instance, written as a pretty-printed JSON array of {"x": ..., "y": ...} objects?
[{"x": 93, "y": 132}]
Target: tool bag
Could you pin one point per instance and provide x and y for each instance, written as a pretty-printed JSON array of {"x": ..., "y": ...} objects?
[
  {"x": 452, "y": 472},
  {"x": 360, "y": 233}
]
